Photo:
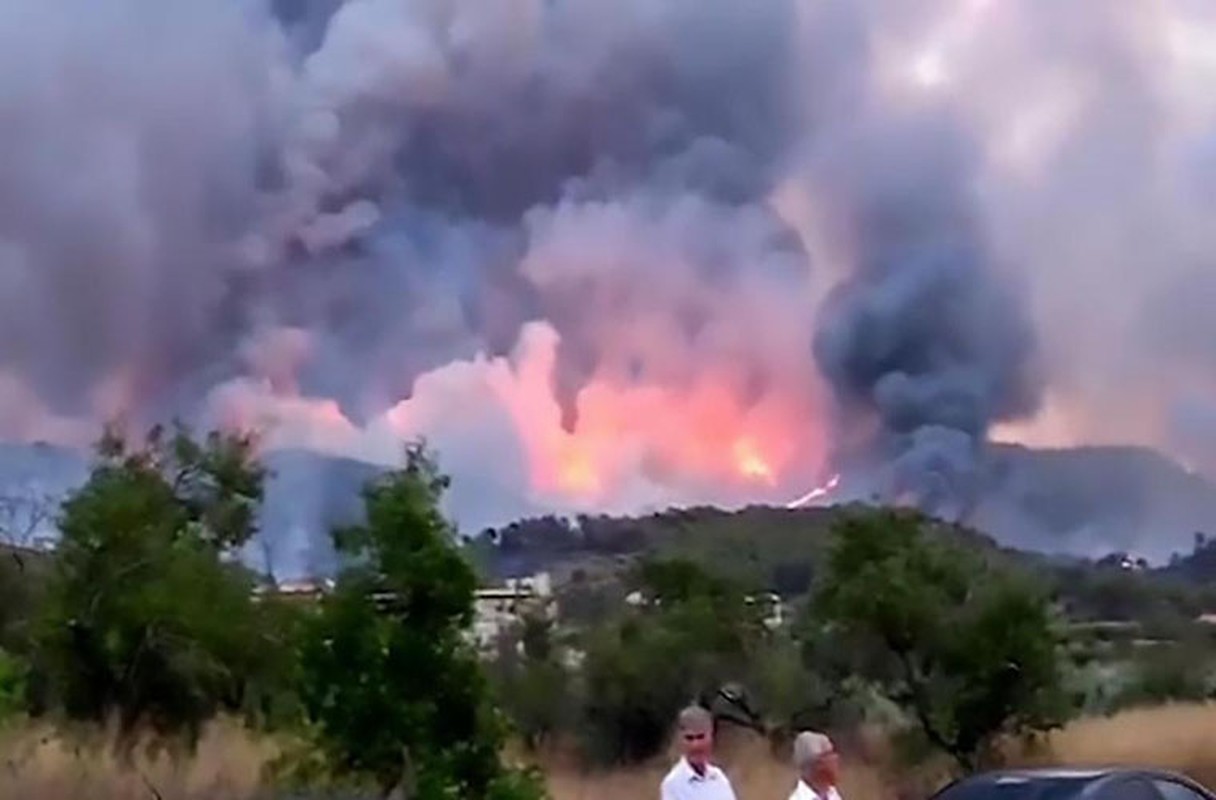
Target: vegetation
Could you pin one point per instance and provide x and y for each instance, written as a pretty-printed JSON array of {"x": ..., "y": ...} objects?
[
  {"x": 143, "y": 619},
  {"x": 691, "y": 632},
  {"x": 394, "y": 690},
  {"x": 969, "y": 651},
  {"x": 229, "y": 762},
  {"x": 535, "y": 686},
  {"x": 146, "y": 620}
]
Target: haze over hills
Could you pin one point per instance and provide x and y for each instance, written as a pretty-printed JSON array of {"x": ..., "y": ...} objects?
[
  {"x": 1083, "y": 501},
  {"x": 1092, "y": 500}
]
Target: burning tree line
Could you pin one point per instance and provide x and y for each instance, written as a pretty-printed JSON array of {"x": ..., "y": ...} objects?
[{"x": 145, "y": 619}]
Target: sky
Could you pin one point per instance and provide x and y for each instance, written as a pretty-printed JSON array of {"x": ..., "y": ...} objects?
[{"x": 609, "y": 257}]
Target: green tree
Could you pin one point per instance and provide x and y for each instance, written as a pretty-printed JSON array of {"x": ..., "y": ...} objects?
[
  {"x": 392, "y": 685},
  {"x": 271, "y": 700},
  {"x": 146, "y": 619},
  {"x": 969, "y": 650},
  {"x": 693, "y": 632},
  {"x": 13, "y": 675},
  {"x": 794, "y": 694},
  {"x": 22, "y": 581},
  {"x": 532, "y": 682}
]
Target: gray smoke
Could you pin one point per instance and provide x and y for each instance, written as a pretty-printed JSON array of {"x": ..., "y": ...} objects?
[
  {"x": 129, "y": 159},
  {"x": 927, "y": 335},
  {"x": 358, "y": 170},
  {"x": 1193, "y": 432},
  {"x": 415, "y": 171},
  {"x": 311, "y": 213}
]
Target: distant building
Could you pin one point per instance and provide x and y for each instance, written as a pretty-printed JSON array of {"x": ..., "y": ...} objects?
[
  {"x": 498, "y": 609},
  {"x": 774, "y": 608},
  {"x": 775, "y": 611},
  {"x": 1124, "y": 561},
  {"x": 495, "y": 609}
]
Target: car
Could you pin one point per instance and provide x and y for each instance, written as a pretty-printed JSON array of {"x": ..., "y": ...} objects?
[{"x": 1114, "y": 783}]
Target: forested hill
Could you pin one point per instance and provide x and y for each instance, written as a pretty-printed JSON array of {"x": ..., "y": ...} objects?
[
  {"x": 774, "y": 548},
  {"x": 779, "y": 550}
]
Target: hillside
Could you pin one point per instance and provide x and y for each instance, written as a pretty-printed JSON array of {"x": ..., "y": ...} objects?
[
  {"x": 780, "y": 550},
  {"x": 775, "y": 547},
  {"x": 1082, "y": 502}
]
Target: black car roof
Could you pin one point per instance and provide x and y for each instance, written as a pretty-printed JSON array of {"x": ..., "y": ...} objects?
[
  {"x": 1094, "y": 775},
  {"x": 1082, "y": 773}
]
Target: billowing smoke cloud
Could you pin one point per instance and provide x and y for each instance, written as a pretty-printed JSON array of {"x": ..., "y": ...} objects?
[
  {"x": 130, "y": 155},
  {"x": 613, "y": 255},
  {"x": 926, "y": 335},
  {"x": 425, "y": 135}
]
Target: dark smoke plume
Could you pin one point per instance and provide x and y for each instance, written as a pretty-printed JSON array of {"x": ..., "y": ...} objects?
[{"x": 927, "y": 335}]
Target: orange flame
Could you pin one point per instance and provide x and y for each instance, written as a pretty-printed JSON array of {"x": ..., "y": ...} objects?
[
  {"x": 699, "y": 435},
  {"x": 751, "y": 464},
  {"x": 576, "y": 474},
  {"x": 649, "y": 442}
]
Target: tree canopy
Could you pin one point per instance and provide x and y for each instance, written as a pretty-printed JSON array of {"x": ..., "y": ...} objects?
[
  {"x": 389, "y": 678},
  {"x": 970, "y": 650},
  {"x": 145, "y": 620}
]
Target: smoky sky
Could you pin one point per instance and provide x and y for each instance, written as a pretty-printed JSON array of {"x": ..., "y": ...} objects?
[
  {"x": 946, "y": 215},
  {"x": 428, "y": 132}
]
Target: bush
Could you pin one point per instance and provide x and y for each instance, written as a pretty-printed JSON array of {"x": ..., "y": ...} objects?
[
  {"x": 533, "y": 686},
  {"x": 13, "y": 676},
  {"x": 695, "y": 632},
  {"x": 1176, "y": 673}
]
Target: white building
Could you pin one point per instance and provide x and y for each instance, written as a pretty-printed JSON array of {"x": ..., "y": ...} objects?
[
  {"x": 498, "y": 609},
  {"x": 773, "y": 607},
  {"x": 495, "y": 610}
]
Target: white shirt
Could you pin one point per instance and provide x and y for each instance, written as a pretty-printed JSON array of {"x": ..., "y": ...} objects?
[
  {"x": 683, "y": 783},
  {"x": 804, "y": 792}
]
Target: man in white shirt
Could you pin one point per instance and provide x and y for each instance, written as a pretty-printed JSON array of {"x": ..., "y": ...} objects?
[
  {"x": 693, "y": 777},
  {"x": 818, "y": 767}
]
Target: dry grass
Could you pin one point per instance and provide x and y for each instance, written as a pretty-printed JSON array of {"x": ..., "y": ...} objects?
[
  {"x": 1177, "y": 737},
  {"x": 1180, "y": 737},
  {"x": 227, "y": 766},
  {"x": 229, "y": 762}
]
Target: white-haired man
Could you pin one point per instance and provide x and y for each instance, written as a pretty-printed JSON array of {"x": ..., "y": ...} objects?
[
  {"x": 694, "y": 777},
  {"x": 818, "y": 767}
]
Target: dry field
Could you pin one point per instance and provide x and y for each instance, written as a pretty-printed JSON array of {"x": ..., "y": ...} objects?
[{"x": 228, "y": 764}]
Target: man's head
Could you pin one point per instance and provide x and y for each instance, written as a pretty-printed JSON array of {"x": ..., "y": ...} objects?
[
  {"x": 696, "y": 730},
  {"x": 815, "y": 759}
]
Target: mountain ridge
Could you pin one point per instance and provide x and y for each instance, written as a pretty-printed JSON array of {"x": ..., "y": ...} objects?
[{"x": 1085, "y": 501}]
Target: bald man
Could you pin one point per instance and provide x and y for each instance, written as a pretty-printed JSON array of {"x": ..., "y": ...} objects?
[
  {"x": 818, "y": 767},
  {"x": 694, "y": 777}
]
